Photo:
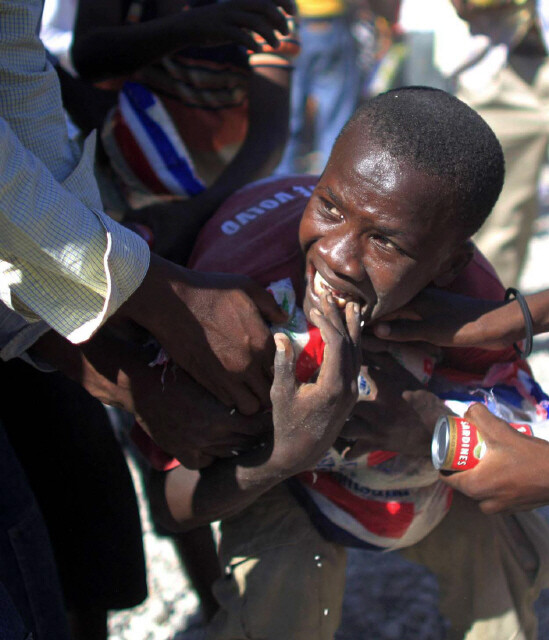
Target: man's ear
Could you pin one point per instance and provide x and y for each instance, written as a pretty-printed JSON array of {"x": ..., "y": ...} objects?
[{"x": 451, "y": 268}]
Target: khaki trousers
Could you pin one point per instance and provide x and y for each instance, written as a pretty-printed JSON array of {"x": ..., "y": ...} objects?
[{"x": 283, "y": 581}]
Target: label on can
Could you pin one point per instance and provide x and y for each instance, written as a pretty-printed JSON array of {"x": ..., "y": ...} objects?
[{"x": 457, "y": 444}]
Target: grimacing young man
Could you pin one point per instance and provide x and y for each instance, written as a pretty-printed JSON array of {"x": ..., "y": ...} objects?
[{"x": 410, "y": 178}]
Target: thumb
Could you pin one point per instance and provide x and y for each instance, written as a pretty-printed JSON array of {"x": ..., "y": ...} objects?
[
  {"x": 266, "y": 304},
  {"x": 284, "y": 383},
  {"x": 491, "y": 427},
  {"x": 405, "y": 331}
]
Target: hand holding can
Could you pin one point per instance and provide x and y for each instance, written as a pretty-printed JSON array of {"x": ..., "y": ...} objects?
[
  {"x": 457, "y": 444},
  {"x": 514, "y": 470}
]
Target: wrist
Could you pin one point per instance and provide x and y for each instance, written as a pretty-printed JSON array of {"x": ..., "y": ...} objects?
[
  {"x": 146, "y": 304},
  {"x": 87, "y": 364},
  {"x": 290, "y": 458},
  {"x": 502, "y": 325}
]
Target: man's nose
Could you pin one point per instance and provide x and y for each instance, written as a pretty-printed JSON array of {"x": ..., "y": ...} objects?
[{"x": 342, "y": 252}]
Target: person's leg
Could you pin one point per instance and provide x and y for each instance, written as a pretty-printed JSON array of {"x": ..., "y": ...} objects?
[
  {"x": 337, "y": 84},
  {"x": 490, "y": 571},
  {"x": 298, "y": 103},
  {"x": 30, "y": 593},
  {"x": 78, "y": 473},
  {"x": 198, "y": 554},
  {"x": 519, "y": 115},
  {"x": 282, "y": 579}
]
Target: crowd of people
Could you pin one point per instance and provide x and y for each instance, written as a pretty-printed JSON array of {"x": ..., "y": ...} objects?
[{"x": 285, "y": 341}]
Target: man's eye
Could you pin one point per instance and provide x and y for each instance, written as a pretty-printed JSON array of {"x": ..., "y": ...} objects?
[
  {"x": 332, "y": 211},
  {"x": 384, "y": 242}
]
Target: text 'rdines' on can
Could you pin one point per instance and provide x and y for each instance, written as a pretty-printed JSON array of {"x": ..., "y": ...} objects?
[{"x": 457, "y": 444}]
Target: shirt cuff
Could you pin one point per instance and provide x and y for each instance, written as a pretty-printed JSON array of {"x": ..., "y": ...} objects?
[{"x": 126, "y": 262}]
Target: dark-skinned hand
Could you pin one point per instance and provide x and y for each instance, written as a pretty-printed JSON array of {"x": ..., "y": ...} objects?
[
  {"x": 211, "y": 23},
  {"x": 451, "y": 320},
  {"x": 513, "y": 474},
  {"x": 307, "y": 418},
  {"x": 180, "y": 416},
  {"x": 399, "y": 415},
  {"x": 213, "y": 326}
]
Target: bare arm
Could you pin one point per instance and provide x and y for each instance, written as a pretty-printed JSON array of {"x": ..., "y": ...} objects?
[
  {"x": 175, "y": 411},
  {"x": 176, "y": 224},
  {"x": 105, "y": 47},
  {"x": 307, "y": 419}
]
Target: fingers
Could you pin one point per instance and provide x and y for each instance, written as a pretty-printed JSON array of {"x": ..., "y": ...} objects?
[
  {"x": 427, "y": 405},
  {"x": 405, "y": 331},
  {"x": 238, "y": 35},
  {"x": 253, "y": 394},
  {"x": 284, "y": 383},
  {"x": 265, "y": 303},
  {"x": 288, "y": 6},
  {"x": 352, "y": 318},
  {"x": 341, "y": 361},
  {"x": 258, "y": 24},
  {"x": 259, "y": 16},
  {"x": 269, "y": 12},
  {"x": 458, "y": 481},
  {"x": 490, "y": 427}
]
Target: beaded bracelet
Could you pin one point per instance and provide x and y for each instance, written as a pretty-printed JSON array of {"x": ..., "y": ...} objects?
[{"x": 528, "y": 322}]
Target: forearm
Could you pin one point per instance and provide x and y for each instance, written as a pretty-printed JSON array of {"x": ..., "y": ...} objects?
[
  {"x": 120, "y": 50},
  {"x": 266, "y": 137},
  {"x": 506, "y": 322},
  {"x": 177, "y": 223},
  {"x": 538, "y": 303},
  {"x": 185, "y": 499},
  {"x": 101, "y": 365}
]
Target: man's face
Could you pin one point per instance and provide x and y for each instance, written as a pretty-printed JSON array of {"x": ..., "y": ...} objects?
[{"x": 373, "y": 231}]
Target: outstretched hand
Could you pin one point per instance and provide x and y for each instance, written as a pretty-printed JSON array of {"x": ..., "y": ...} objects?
[
  {"x": 308, "y": 418},
  {"x": 399, "y": 416},
  {"x": 513, "y": 474}
]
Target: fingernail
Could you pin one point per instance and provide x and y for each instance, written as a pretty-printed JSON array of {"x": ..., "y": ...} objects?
[
  {"x": 315, "y": 312},
  {"x": 279, "y": 344},
  {"x": 382, "y": 330},
  {"x": 356, "y": 308}
]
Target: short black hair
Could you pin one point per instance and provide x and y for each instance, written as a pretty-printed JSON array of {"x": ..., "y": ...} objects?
[{"x": 439, "y": 134}]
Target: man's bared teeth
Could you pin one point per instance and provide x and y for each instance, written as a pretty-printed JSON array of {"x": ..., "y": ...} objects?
[{"x": 320, "y": 286}]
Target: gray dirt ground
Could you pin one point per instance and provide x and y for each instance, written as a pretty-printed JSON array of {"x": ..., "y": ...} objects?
[{"x": 386, "y": 598}]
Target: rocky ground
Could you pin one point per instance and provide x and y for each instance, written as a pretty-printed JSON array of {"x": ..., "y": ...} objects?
[{"x": 386, "y": 598}]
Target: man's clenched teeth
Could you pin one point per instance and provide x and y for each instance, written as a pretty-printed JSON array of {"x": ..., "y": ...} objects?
[{"x": 320, "y": 286}]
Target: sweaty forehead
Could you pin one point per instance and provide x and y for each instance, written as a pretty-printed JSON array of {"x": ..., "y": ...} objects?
[
  {"x": 367, "y": 178},
  {"x": 360, "y": 173}
]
